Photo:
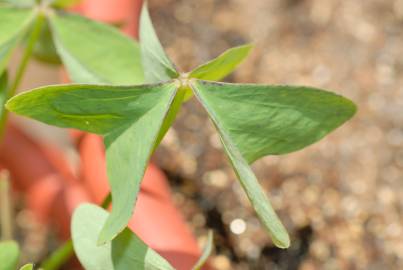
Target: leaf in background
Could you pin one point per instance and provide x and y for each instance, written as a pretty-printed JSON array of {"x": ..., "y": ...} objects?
[
  {"x": 96, "y": 53},
  {"x": 223, "y": 65},
  {"x": 126, "y": 251},
  {"x": 273, "y": 120},
  {"x": 45, "y": 49},
  {"x": 19, "y": 3},
  {"x": 126, "y": 165},
  {"x": 29, "y": 266},
  {"x": 13, "y": 24},
  {"x": 254, "y": 121},
  {"x": 206, "y": 252},
  {"x": 156, "y": 64},
  {"x": 9, "y": 255}
]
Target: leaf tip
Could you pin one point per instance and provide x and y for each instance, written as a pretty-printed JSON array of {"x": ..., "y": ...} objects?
[
  {"x": 248, "y": 46},
  {"x": 108, "y": 233},
  {"x": 102, "y": 238},
  {"x": 354, "y": 108},
  {"x": 10, "y": 104},
  {"x": 282, "y": 242}
]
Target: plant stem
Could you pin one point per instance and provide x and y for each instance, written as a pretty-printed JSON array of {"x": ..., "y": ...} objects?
[
  {"x": 5, "y": 207},
  {"x": 33, "y": 38},
  {"x": 59, "y": 257}
]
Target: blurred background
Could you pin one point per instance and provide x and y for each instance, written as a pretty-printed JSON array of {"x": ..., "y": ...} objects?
[{"x": 342, "y": 198}]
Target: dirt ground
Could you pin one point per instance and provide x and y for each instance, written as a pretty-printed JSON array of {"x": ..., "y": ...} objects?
[{"x": 342, "y": 198}]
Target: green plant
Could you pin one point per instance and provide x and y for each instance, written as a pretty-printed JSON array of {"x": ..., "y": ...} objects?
[
  {"x": 252, "y": 120},
  {"x": 98, "y": 54}
]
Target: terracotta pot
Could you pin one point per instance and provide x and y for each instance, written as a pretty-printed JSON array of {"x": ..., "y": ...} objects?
[
  {"x": 41, "y": 173},
  {"x": 54, "y": 193},
  {"x": 124, "y": 13}
]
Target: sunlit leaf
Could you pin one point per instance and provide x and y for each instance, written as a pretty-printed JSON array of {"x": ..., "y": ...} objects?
[
  {"x": 14, "y": 23},
  {"x": 158, "y": 67},
  {"x": 156, "y": 64},
  {"x": 96, "y": 53},
  {"x": 257, "y": 120},
  {"x": 9, "y": 255},
  {"x": 127, "y": 251},
  {"x": 223, "y": 65},
  {"x": 130, "y": 119},
  {"x": 99, "y": 109},
  {"x": 272, "y": 120},
  {"x": 127, "y": 154}
]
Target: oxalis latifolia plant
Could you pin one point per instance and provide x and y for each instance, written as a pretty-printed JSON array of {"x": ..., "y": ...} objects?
[
  {"x": 98, "y": 54},
  {"x": 92, "y": 53},
  {"x": 252, "y": 120}
]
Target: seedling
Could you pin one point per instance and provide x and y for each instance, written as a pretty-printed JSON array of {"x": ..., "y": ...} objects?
[{"x": 252, "y": 120}]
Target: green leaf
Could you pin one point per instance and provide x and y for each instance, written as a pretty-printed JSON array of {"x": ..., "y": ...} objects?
[
  {"x": 19, "y": 3},
  {"x": 64, "y": 3},
  {"x": 208, "y": 249},
  {"x": 98, "y": 109},
  {"x": 9, "y": 255},
  {"x": 127, "y": 251},
  {"x": 156, "y": 64},
  {"x": 130, "y": 252},
  {"x": 223, "y": 65},
  {"x": 129, "y": 118},
  {"x": 14, "y": 23},
  {"x": 255, "y": 120},
  {"x": 29, "y": 266},
  {"x": 273, "y": 120},
  {"x": 45, "y": 49},
  {"x": 126, "y": 165},
  {"x": 96, "y": 53},
  {"x": 158, "y": 67}
]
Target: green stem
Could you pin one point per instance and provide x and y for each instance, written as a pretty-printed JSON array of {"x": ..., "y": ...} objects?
[
  {"x": 59, "y": 257},
  {"x": 33, "y": 38}
]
